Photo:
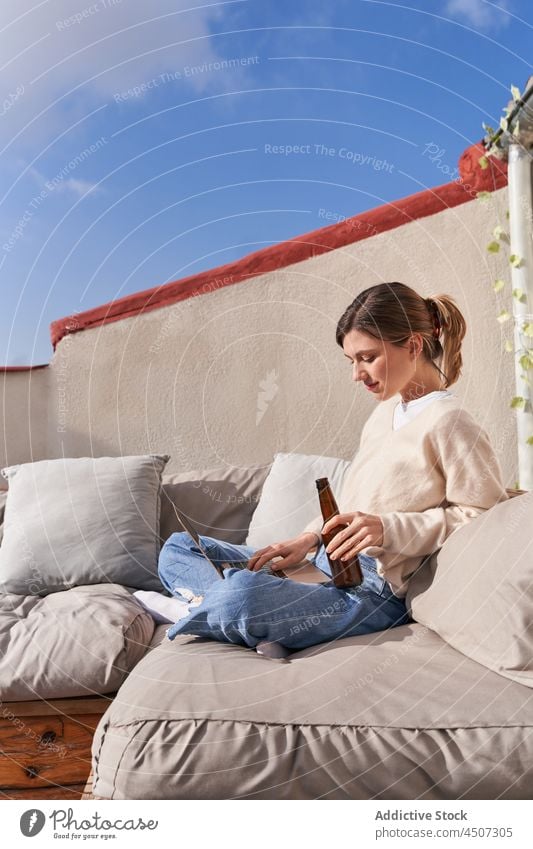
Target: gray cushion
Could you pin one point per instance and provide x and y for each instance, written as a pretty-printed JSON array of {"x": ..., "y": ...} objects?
[
  {"x": 476, "y": 592},
  {"x": 289, "y": 500},
  {"x": 78, "y": 642},
  {"x": 398, "y": 714},
  {"x": 86, "y": 520},
  {"x": 218, "y": 502}
]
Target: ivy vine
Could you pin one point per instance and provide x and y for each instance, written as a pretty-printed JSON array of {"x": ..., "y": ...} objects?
[{"x": 501, "y": 240}]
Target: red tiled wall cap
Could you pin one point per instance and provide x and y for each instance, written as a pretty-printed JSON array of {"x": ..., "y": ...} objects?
[
  {"x": 10, "y": 369},
  {"x": 478, "y": 178}
]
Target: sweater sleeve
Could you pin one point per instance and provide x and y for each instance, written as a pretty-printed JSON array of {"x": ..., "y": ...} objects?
[
  {"x": 473, "y": 481},
  {"x": 316, "y": 524}
]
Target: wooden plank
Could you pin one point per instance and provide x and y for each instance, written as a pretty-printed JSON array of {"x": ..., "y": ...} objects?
[
  {"x": 28, "y": 771},
  {"x": 30, "y": 734},
  {"x": 73, "y": 791},
  {"x": 66, "y": 707},
  {"x": 50, "y": 733},
  {"x": 64, "y": 759}
]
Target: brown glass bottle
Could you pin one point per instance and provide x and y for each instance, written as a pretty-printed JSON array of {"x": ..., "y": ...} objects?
[{"x": 345, "y": 573}]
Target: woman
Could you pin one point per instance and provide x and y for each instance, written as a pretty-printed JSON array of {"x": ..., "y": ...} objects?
[{"x": 424, "y": 468}]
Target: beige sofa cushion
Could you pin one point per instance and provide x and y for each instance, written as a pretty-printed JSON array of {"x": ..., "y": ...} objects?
[
  {"x": 476, "y": 592},
  {"x": 79, "y": 642},
  {"x": 398, "y": 714},
  {"x": 289, "y": 499},
  {"x": 219, "y": 502}
]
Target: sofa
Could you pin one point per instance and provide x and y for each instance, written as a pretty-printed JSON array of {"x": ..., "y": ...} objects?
[{"x": 439, "y": 708}]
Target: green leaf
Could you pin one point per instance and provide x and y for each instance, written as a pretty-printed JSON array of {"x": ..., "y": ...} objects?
[
  {"x": 493, "y": 247},
  {"x": 515, "y": 91},
  {"x": 528, "y": 328},
  {"x": 518, "y": 403},
  {"x": 515, "y": 260},
  {"x": 483, "y": 196},
  {"x": 503, "y": 124},
  {"x": 498, "y": 285},
  {"x": 529, "y": 441},
  {"x": 508, "y": 346},
  {"x": 526, "y": 361},
  {"x": 503, "y": 316},
  {"x": 483, "y": 162},
  {"x": 499, "y": 233},
  {"x": 507, "y": 214},
  {"x": 519, "y": 294}
]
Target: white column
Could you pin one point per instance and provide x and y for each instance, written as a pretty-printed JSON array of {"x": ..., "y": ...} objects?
[{"x": 521, "y": 234}]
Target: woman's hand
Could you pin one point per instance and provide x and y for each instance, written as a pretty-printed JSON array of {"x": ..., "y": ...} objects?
[
  {"x": 363, "y": 530},
  {"x": 291, "y": 552}
]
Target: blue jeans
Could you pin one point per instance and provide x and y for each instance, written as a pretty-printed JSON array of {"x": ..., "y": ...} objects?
[{"x": 247, "y": 607}]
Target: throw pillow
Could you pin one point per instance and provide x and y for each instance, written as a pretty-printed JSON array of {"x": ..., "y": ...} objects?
[
  {"x": 476, "y": 592},
  {"x": 289, "y": 499},
  {"x": 218, "y": 502},
  {"x": 86, "y": 520}
]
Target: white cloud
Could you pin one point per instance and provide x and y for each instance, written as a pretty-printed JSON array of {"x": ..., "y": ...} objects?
[
  {"x": 480, "y": 13},
  {"x": 78, "y": 187},
  {"x": 103, "y": 47},
  {"x": 60, "y": 182}
]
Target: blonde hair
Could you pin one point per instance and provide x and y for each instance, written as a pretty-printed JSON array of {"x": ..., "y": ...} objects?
[{"x": 392, "y": 312}]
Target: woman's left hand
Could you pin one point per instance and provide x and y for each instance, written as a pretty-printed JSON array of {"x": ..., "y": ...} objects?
[{"x": 363, "y": 530}]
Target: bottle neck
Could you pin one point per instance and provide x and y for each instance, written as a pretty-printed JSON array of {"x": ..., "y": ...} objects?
[{"x": 328, "y": 505}]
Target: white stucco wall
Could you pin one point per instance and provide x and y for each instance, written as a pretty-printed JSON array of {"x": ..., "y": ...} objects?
[
  {"x": 24, "y": 411},
  {"x": 237, "y": 374}
]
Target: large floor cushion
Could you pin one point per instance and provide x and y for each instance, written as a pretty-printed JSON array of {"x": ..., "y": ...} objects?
[
  {"x": 397, "y": 714},
  {"x": 78, "y": 642}
]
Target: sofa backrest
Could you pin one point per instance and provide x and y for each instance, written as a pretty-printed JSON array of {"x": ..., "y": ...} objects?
[{"x": 219, "y": 502}]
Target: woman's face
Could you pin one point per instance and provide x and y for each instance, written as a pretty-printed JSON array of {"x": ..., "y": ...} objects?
[{"x": 383, "y": 367}]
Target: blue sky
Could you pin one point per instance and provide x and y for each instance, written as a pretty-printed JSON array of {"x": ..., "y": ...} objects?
[{"x": 144, "y": 142}]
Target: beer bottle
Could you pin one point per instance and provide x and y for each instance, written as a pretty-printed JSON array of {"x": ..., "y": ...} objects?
[{"x": 345, "y": 573}]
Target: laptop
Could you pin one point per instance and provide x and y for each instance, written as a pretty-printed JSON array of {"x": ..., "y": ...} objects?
[
  {"x": 191, "y": 530},
  {"x": 305, "y": 572}
]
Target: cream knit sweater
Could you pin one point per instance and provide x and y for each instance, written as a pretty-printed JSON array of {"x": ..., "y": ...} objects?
[{"x": 425, "y": 480}]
